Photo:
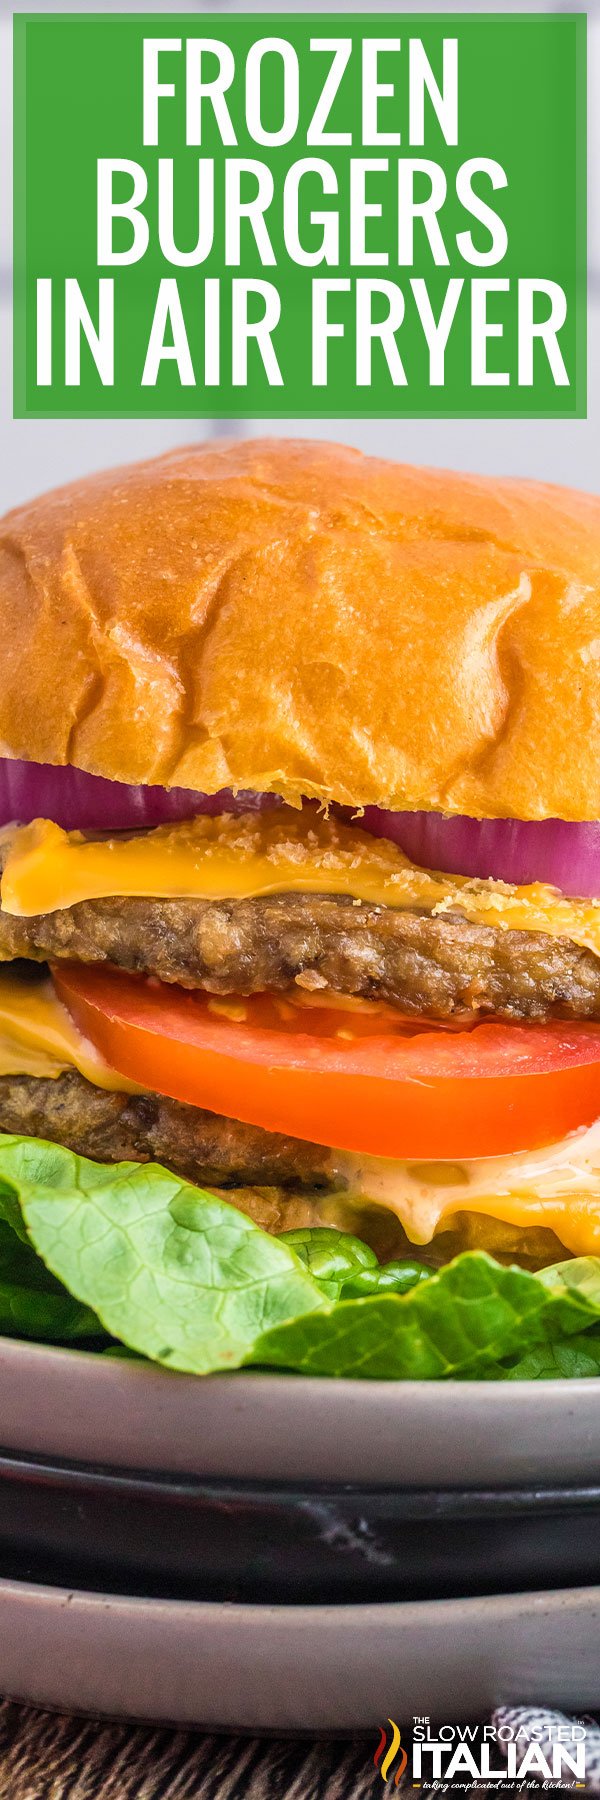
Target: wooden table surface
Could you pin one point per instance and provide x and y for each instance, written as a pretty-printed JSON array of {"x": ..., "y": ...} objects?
[{"x": 45, "y": 1756}]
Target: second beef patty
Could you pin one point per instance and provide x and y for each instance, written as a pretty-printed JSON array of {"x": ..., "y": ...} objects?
[
  {"x": 436, "y": 967},
  {"x": 120, "y": 1127}
]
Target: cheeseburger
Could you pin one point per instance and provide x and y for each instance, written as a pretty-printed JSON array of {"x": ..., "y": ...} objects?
[{"x": 300, "y": 847}]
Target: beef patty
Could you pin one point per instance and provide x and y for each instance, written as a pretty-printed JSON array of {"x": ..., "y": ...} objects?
[
  {"x": 115, "y": 1127},
  {"x": 436, "y": 967}
]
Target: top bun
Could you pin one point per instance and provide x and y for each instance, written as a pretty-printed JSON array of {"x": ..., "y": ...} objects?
[{"x": 296, "y": 617}]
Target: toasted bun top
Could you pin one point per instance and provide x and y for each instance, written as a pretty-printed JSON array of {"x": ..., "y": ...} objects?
[{"x": 297, "y": 617}]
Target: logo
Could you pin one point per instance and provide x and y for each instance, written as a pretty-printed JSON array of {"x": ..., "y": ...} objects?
[
  {"x": 391, "y": 1752},
  {"x": 518, "y": 1750}
]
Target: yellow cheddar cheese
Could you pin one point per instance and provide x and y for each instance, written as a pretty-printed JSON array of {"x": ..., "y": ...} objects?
[
  {"x": 276, "y": 852},
  {"x": 37, "y": 1036},
  {"x": 556, "y": 1188}
]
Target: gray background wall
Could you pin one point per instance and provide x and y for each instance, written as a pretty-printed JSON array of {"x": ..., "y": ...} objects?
[{"x": 41, "y": 453}]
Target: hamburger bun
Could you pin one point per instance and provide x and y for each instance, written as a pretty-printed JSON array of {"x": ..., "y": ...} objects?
[{"x": 299, "y": 618}]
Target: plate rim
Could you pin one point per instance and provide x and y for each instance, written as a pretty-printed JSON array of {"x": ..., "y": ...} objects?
[
  {"x": 247, "y": 1667},
  {"x": 62, "y": 1353},
  {"x": 103, "y": 1410}
]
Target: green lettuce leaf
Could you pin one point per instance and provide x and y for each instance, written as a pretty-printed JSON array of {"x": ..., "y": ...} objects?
[
  {"x": 33, "y": 1304},
  {"x": 565, "y": 1358},
  {"x": 464, "y": 1321},
  {"x": 172, "y": 1272},
  {"x": 179, "y": 1276}
]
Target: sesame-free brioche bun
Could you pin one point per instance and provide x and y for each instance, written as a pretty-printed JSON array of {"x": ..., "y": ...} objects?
[{"x": 300, "y": 618}]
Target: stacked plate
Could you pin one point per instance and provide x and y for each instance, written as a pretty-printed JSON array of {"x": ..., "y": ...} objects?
[{"x": 272, "y": 1553}]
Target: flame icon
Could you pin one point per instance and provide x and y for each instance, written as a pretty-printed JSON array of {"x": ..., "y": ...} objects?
[{"x": 391, "y": 1753}]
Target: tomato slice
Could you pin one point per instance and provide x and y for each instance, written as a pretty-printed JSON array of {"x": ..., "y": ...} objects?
[{"x": 365, "y": 1081}]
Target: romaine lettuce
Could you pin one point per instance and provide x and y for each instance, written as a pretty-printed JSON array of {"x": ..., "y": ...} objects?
[{"x": 127, "y": 1252}]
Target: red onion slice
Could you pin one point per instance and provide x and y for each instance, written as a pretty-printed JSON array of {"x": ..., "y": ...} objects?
[
  {"x": 81, "y": 802},
  {"x": 557, "y": 851},
  {"x": 564, "y": 854}
]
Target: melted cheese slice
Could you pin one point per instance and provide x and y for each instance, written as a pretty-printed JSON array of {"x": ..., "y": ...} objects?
[
  {"x": 556, "y": 1188},
  {"x": 37, "y": 1036},
  {"x": 276, "y": 852}
]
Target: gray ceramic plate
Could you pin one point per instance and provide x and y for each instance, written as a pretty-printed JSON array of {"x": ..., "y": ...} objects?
[
  {"x": 276, "y": 1427},
  {"x": 297, "y": 1668}
]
